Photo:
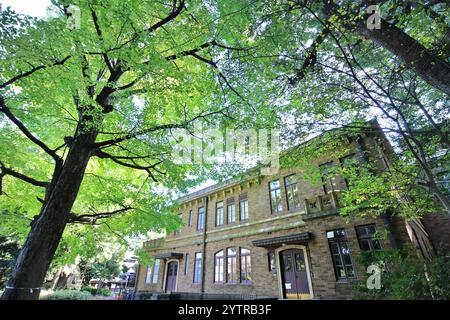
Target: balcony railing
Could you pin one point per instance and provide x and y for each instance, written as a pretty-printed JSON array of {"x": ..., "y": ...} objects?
[{"x": 321, "y": 203}]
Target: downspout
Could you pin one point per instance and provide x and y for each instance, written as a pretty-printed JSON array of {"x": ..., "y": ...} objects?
[{"x": 205, "y": 224}]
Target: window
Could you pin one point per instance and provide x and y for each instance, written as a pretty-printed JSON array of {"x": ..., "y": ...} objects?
[
  {"x": 219, "y": 213},
  {"x": 246, "y": 266},
  {"x": 292, "y": 196},
  {"x": 271, "y": 262},
  {"x": 148, "y": 275},
  {"x": 201, "y": 218},
  {"x": 178, "y": 231},
  {"x": 275, "y": 196},
  {"x": 349, "y": 163},
  {"x": 198, "y": 267},
  {"x": 190, "y": 218},
  {"x": 218, "y": 267},
  {"x": 243, "y": 207},
  {"x": 231, "y": 265},
  {"x": 365, "y": 238},
  {"x": 156, "y": 271},
  {"x": 340, "y": 254},
  {"x": 328, "y": 172},
  {"x": 186, "y": 263},
  {"x": 231, "y": 211}
]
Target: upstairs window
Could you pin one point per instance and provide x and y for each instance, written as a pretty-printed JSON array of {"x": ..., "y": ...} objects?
[
  {"x": 218, "y": 267},
  {"x": 190, "y": 218},
  {"x": 219, "y": 213},
  {"x": 328, "y": 171},
  {"x": 178, "y": 231},
  {"x": 243, "y": 207},
  {"x": 201, "y": 218},
  {"x": 365, "y": 238},
  {"x": 231, "y": 211},
  {"x": 275, "y": 196},
  {"x": 292, "y": 196},
  {"x": 349, "y": 162},
  {"x": 340, "y": 253}
]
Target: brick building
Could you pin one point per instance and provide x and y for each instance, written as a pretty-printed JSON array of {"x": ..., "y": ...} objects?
[{"x": 273, "y": 237}]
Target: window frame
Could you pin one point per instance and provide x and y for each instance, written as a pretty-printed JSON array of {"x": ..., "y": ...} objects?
[
  {"x": 339, "y": 241},
  {"x": 221, "y": 260},
  {"x": 290, "y": 187},
  {"x": 155, "y": 273},
  {"x": 198, "y": 268},
  {"x": 247, "y": 270},
  {"x": 186, "y": 263},
  {"x": 329, "y": 183},
  {"x": 202, "y": 226},
  {"x": 217, "y": 208},
  {"x": 369, "y": 237},
  {"x": 231, "y": 204},
  {"x": 190, "y": 218},
  {"x": 148, "y": 275},
  {"x": 280, "y": 202},
  {"x": 243, "y": 199},
  {"x": 230, "y": 258}
]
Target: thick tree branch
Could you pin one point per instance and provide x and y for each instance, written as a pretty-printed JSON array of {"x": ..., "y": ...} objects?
[
  {"x": 92, "y": 218},
  {"x": 4, "y": 171},
  {"x": 33, "y": 70},
  {"x": 27, "y": 133}
]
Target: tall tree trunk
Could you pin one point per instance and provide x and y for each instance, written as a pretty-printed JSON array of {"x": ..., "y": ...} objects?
[
  {"x": 427, "y": 65},
  {"x": 42, "y": 241}
]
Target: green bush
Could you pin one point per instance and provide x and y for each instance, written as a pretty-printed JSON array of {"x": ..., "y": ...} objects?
[
  {"x": 91, "y": 290},
  {"x": 104, "y": 292},
  {"x": 97, "y": 292},
  {"x": 69, "y": 295},
  {"x": 407, "y": 276}
]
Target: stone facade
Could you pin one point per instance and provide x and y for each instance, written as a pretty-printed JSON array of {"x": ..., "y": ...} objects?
[{"x": 317, "y": 214}]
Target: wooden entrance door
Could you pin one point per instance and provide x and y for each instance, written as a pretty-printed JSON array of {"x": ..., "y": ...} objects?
[
  {"x": 294, "y": 274},
  {"x": 172, "y": 271}
]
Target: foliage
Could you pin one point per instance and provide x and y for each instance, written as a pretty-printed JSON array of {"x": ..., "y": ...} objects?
[
  {"x": 407, "y": 276},
  {"x": 68, "y": 295},
  {"x": 9, "y": 249},
  {"x": 101, "y": 267},
  {"x": 97, "y": 291}
]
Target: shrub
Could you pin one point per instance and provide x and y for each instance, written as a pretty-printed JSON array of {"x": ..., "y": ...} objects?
[
  {"x": 68, "y": 295},
  {"x": 407, "y": 276},
  {"x": 97, "y": 292},
  {"x": 91, "y": 290},
  {"x": 104, "y": 292}
]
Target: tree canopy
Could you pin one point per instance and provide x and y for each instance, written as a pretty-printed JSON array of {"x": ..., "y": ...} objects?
[{"x": 88, "y": 108}]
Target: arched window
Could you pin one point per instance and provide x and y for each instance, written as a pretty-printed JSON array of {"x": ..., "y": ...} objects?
[
  {"x": 246, "y": 266},
  {"x": 232, "y": 265},
  {"x": 218, "y": 267}
]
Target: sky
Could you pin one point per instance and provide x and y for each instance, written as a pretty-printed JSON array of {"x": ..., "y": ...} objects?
[{"x": 34, "y": 8}]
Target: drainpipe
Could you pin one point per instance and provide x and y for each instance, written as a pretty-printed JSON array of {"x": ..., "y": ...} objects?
[{"x": 205, "y": 224}]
